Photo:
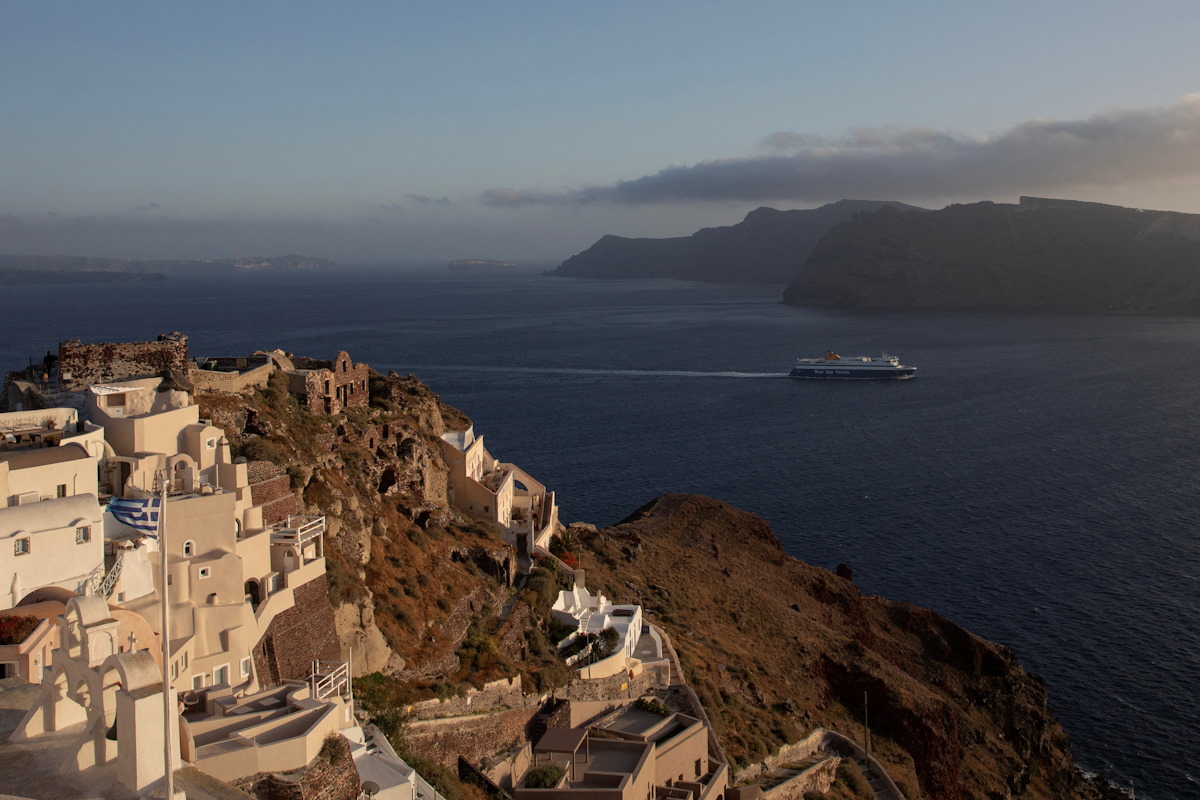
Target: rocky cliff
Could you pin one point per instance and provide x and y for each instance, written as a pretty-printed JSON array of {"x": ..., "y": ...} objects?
[
  {"x": 407, "y": 574},
  {"x": 1038, "y": 255},
  {"x": 768, "y": 246},
  {"x": 775, "y": 647}
]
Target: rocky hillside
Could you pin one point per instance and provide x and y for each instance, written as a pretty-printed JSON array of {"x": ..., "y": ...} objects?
[
  {"x": 1038, "y": 255},
  {"x": 768, "y": 246},
  {"x": 407, "y": 575},
  {"x": 775, "y": 647}
]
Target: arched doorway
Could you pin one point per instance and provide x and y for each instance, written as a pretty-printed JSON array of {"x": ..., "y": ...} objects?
[{"x": 253, "y": 594}]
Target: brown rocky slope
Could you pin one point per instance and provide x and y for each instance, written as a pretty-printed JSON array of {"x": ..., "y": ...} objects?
[{"x": 775, "y": 647}]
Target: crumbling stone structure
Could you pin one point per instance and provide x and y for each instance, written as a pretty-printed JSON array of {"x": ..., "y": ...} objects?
[
  {"x": 81, "y": 365},
  {"x": 328, "y": 387}
]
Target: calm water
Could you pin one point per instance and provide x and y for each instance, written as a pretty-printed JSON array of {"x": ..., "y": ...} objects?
[{"x": 1037, "y": 482}]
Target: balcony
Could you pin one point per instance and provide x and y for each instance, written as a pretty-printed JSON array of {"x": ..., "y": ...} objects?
[{"x": 298, "y": 530}]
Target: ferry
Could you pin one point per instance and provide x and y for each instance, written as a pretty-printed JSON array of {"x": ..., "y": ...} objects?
[{"x": 834, "y": 366}]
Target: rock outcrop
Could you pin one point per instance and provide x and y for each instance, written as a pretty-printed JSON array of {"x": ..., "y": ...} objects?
[
  {"x": 768, "y": 246},
  {"x": 1038, "y": 255},
  {"x": 775, "y": 647}
]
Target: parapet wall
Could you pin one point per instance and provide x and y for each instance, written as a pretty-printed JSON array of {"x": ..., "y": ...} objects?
[
  {"x": 209, "y": 380},
  {"x": 81, "y": 365}
]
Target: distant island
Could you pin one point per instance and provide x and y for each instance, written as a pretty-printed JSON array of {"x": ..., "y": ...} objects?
[
  {"x": 768, "y": 246},
  {"x": 1040, "y": 254},
  {"x": 479, "y": 265},
  {"x": 15, "y": 269}
]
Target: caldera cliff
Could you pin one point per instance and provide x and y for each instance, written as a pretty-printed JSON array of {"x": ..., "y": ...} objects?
[
  {"x": 768, "y": 246},
  {"x": 1040, "y": 255}
]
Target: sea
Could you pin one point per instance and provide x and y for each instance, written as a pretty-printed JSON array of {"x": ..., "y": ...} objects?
[{"x": 1037, "y": 482}]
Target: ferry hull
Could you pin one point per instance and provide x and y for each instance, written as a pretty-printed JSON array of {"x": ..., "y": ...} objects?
[{"x": 843, "y": 373}]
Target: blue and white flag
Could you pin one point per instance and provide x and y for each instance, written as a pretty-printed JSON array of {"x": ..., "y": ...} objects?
[{"x": 141, "y": 514}]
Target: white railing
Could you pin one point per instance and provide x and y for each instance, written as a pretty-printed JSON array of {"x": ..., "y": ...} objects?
[
  {"x": 297, "y": 530},
  {"x": 330, "y": 677},
  {"x": 110, "y": 580}
]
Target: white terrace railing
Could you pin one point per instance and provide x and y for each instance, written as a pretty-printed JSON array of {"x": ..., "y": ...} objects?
[
  {"x": 110, "y": 580},
  {"x": 330, "y": 677},
  {"x": 297, "y": 529}
]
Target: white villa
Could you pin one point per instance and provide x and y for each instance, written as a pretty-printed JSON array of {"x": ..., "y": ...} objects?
[
  {"x": 501, "y": 492},
  {"x": 592, "y": 614}
]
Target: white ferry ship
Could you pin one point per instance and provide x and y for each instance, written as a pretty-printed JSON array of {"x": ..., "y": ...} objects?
[{"x": 834, "y": 366}]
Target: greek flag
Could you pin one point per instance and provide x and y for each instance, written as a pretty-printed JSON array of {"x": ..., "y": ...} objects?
[{"x": 141, "y": 514}]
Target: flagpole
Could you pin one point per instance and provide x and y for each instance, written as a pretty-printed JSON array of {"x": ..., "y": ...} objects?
[{"x": 169, "y": 778}]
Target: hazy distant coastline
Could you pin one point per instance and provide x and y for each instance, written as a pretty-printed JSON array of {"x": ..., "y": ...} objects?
[{"x": 95, "y": 269}]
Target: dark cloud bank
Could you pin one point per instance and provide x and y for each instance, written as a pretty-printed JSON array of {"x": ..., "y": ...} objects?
[{"x": 1104, "y": 150}]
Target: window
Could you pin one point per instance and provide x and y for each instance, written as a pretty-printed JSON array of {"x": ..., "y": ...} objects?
[
  {"x": 245, "y": 667},
  {"x": 221, "y": 675},
  {"x": 21, "y": 546},
  {"x": 211, "y": 444},
  {"x": 204, "y": 572},
  {"x": 197, "y": 681},
  {"x": 189, "y": 548},
  {"x": 83, "y": 534},
  {"x": 175, "y": 670},
  {"x": 61, "y": 490}
]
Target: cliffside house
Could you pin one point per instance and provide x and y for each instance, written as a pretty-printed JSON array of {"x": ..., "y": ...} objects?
[
  {"x": 500, "y": 492},
  {"x": 629, "y": 754}
]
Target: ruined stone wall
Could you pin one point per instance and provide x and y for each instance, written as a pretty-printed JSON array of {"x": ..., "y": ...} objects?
[
  {"x": 81, "y": 365},
  {"x": 231, "y": 382},
  {"x": 501, "y": 693},
  {"x": 817, "y": 779},
  {"x": 297, "y": 637},
  {"x": 350, "y": 382},
  {"x": 330, "y": 776},
  {"x": 473, "y": 738},
  {"x": 795, "y": 751},
  {"x": 327, "y": 388}
]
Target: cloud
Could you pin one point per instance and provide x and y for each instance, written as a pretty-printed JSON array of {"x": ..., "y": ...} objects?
[
  {"x": 426, "y": 200},
  {"x": 1105, "y": 150}
]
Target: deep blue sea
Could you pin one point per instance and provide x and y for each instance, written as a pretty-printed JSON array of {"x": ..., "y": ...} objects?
[{"x": 1038, "y": 482}]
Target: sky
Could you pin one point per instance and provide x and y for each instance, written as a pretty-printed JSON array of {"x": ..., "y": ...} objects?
[{"x": 420, "y": 132}]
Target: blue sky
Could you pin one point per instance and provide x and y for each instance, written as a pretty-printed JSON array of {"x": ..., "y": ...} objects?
[{"x": 409, "y": 132}]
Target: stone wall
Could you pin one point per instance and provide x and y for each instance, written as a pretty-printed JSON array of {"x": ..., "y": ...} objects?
[
  {"x": 231, "y": 382},
  {"x": 327, "y": 388},
  {"x": 502, "y": 693},
  {"x": 474, "y": 738},
  {"x": 276, "y": 497},
  {"x": 330, "y": 776},
  {"x": 816, "y": 779},
  {"x": 81, "y": 365},
  {"x": 299, "y": 636},
  {"x": 796, "y": 751},
  {"x": 652, "y": 677}
]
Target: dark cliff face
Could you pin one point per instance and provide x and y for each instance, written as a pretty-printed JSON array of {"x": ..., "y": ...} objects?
[
  {"x": 775, "y": 647},
  {"x": 1039, "y": 255},
  {"x": 768, "y": 246}
]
